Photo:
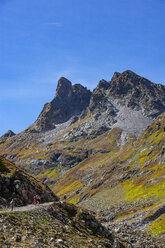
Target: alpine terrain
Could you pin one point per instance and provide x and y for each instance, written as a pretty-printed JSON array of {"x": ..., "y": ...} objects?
[
  {"x": 51, "y": 224},
  {"x": 104, "y": 150}
]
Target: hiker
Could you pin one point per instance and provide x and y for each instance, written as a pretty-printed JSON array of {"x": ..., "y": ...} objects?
[
  {"x": 12, "y": 204},
  {"x": 35, "y": 199},
  {"x": 38, "y": 199}
]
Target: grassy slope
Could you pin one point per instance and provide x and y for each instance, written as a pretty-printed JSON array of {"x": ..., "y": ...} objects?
[
  {"x": 132, "y": 177},
  {"x": 127, "y": 177},
  {"x": 142, "y": 182}
]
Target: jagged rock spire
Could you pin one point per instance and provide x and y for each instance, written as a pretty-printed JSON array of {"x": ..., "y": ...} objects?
[{"x": 69, "y": 100}]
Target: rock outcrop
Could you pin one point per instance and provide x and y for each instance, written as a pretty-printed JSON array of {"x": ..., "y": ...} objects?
[
  {"x": 69, "y": 101},
  {"x": 128, "y": 101},
  {"x": 15, "y": 183},
  {"x": 7, "y": 135},
  {"x": 56, "y": 225}
]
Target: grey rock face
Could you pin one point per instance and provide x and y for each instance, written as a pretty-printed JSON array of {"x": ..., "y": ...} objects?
[
  {"x": 69, "y": 101},
  {"x": 132, "y": 91},
  {"x": 128, "y": 101},
  {"x": 7, "y": 135}
]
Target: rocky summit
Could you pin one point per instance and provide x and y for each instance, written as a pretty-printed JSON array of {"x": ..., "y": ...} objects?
[
  {"x": 128, "y": 101},
  {"x": 104, "y": 150},
  {"x": 125, "y": 100},
  {"x": 7, "y": 135},
  {"x": 69, "y": 101}
]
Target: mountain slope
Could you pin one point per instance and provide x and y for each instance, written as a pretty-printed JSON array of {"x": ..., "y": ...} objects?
[
  {"x": 94, "y": 153},
  {"x": 131, "y": 183},
  {"x": 75, "y": 116},
  {"x": 15, "y": 183},
  {"x": 7, "y": 135},
  {"x": 55, "y": 225}
]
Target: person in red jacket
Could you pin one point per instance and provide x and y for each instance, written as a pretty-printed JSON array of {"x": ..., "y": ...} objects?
[{"x": 35, "y": 199}]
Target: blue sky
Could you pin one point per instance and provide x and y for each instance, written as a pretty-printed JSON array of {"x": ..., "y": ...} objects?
[{"x": 84, "y": 41}]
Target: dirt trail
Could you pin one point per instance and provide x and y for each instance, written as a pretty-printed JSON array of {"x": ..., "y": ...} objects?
[{"x": 27, "y": 208}]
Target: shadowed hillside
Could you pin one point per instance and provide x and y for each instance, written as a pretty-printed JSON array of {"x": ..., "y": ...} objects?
[{"x": 15, "y": 183}]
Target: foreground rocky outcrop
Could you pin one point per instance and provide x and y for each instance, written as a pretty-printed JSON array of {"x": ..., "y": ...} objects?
[
  {"x": 15, "y": 183},
  {"x": 135, "y": 238},
  {"x": 56, "y": 225}
]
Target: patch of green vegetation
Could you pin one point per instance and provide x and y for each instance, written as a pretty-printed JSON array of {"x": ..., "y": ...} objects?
[
  {"x": 55, "y": 170},
  {"x": 11, "y": 214},
  {"x": 74, "y": 199},
  {"x": 157, "y": 227},
  {"x": 155, "y": 137},
  {"x": 105, "y": 198},
  {"x": 75, "y": 185},
  {"x": 144, "y": 190},
  {"x": 41, "y": 221}
]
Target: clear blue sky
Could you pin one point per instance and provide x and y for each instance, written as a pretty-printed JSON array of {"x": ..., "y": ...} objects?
[{"x": 85, "y": 41}]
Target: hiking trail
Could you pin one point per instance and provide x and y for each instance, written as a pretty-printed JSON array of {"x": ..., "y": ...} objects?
[{"x": 27, "y": 208}]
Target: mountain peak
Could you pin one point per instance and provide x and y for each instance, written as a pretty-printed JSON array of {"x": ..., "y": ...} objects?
[
  {"x": 131, "y": 91},
  {"x": 70, "y": 100},
  {"x": 126, "y": 76},
  {"x": 8, "y": 134},
  {"x": 64, "y": 87},
  {"x": 116, "y": 75},
  {"x": 129, "y": 79},
  {"x": 125, "y": 90},
  {"x": 129, "y": 72}
]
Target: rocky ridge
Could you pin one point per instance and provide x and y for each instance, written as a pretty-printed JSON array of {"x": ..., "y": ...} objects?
[
  {"x": 7, "y": 135},
  {"x": 128, "y": 102},
  {"x": 69, "y": 101}
]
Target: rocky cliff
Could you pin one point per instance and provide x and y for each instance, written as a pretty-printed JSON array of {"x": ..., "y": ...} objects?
[
  {"x": 132, "y": 91},
  {"x": 128, "y": 101},
  {"x": 69, "y": 101}
]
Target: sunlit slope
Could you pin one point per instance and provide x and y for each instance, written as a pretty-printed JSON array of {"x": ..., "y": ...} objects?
[{"x": 123, "y": 182}]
